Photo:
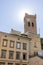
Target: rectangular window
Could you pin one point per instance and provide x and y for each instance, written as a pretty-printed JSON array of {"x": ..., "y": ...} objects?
[
  {"x": 24, "y": 46},
  {"x": 2, "y": 63},
  {"x": 11, "y": 53},
  {"x": 24, "y": 56},
  {"x": 12, "y": 44},
  {"x": 17, "y": 55},
  {"x": 10, "y": 63},
  {"x": 18, "y": 45},
  {"x": 3, "y": 54},
  {"x": 24, "y": 64},
  {"x": 17, "y": 64},
  {"x": 4, "y": 43}
]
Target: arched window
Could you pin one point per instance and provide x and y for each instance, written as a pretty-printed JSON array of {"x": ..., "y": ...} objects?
[
  {"x": 32, "y": 24},
  {"x": 28, "y": 23}
]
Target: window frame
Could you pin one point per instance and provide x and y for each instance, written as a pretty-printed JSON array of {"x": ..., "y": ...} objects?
[
  {"x": 2, "y": 63},
  {"x": 10, "y": 55},
  {"x": 4, "y": 43},
  {"x": 24, "y": 64},
  {"x": 18, "y": 57},
  {"x": 18, "y": 45},
  {"x": 25, "y": 56},
  {"x": 17, "y": 63},
  {"x": 24, "y": 46},
  {"x": 29, "y": 23},
  {"x": 11, "y": 42},
  {"x": 3, "y": 54},
  {"x": 10, "y": 63},
  {"x": 32, "y": 24}
]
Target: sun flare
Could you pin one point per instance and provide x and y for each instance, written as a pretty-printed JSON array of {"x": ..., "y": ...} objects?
[
  {"x": 22, "y": 12},
  {"x": 21, "y": 15}
]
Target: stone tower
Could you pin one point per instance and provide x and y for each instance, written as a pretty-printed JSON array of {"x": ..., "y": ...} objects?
[{"x": 30, "y": 23}]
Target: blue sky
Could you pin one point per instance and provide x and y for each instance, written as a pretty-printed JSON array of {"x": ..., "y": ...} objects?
[{"x": 10, "y": 11}]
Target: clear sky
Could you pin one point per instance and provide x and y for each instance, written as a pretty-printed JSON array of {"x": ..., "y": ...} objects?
[{"x": 11, "y": 12}]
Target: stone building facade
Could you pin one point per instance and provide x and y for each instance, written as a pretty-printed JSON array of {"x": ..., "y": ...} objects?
[
  {"x": 16, "y": 47},
  {"x": 30, "y": 28}
]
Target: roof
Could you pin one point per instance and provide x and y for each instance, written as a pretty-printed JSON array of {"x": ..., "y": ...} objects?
[{"x": 36, "y": 61}]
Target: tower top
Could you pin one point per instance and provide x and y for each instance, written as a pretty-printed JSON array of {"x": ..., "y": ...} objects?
[
  {"x": 30, "y": 23},
  {"x": 28, "y": 15}
]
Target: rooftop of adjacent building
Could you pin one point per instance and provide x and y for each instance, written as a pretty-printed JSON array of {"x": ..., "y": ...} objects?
[{"x": 36, "y": 61}]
